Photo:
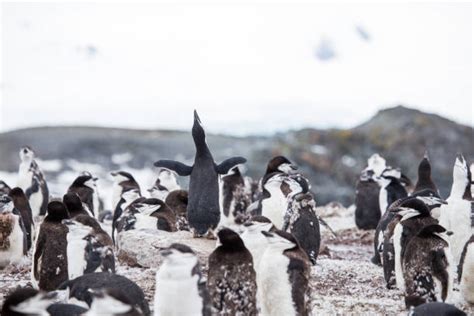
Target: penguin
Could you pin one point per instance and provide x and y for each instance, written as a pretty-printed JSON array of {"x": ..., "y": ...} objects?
[
  {"x": 427, "y": 267},
  {"x": 367, "y": 212},
  {"x": 4, "y": 188},
  {"x": 81, "y": 289},
  {"x": 111, "y": 302},
  {"x": 391, "y": 188},
  {"x": 89, "y": 247},
  {"x": 377, "y": 164},
  {"x": 456, "y": 215},
  {"x": 424, "y": 176},
  {"x": 203, "y": 204},
  {"x": 466, "y": 271},
  {"x": 283, "y": 276},
  {"x": 301, "y": 219},
  {"x": 85, "y": 187},
  {"x": 97, "y": 201},
  {"x": 180, "y": 286},
  {"x": 165, "y": 183},
  {"x": 129, "y": 196},
  {"x": 234, "y": 196},
  {"x": 148, "y": 214},
  {"x": 20, "y": 201},
  {"x": 274, "y": 202},
  {"x": 177, "y": 200},
  {"x": 231, "y": 278},
  {"x": 158, "y": 191},
  {"x": 436, "y": 309},
  {"x": 31, "y": 180},
  {"x": 13, "y": 237},
  {"x": 414, "y": 215},
  {"x": 123, "y": 181},
  {"x": 280, "y": 164},
  {"x": 28, "y": 301},
  {"x": 253, "y": 238},
  {"x": 429, "y": 197},
  {"x": 50, "y": 260},
  {"x": 74, "y": 205}
]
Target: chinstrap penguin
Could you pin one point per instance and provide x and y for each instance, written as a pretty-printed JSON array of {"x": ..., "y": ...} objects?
[
  {"x": 203, "y": 203},
  {"x": 85, "y": 187},
  {"x": 234, "y": 196},
  {"x": 23, "y": 206},
  {"x": 74, "y": 205},
  {"x": 123, "y": 181},
  {"x": 13, "y": 236},
  {"x": 177, "y": 200},
  {"x": 112, "y": 302}
]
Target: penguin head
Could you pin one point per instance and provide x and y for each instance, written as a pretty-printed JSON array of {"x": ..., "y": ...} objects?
[
  {"x": 57, "y": 211},
  {"x": 149, "y": 206},
  {"x": 26, "y": 153},
  {"x": 72, "y": 201},
  {"x": 424, "y": 168},
  {"x": 412, "y": 207},
  {"x": 229, "y": 240},
  {"x": 298, "y": 185},
  {"x": 28, "y": 301},
  {"x": 4, "y": 188},
  {"x": 121, "y": 176},
  {"x": 461, "y": 174},
  {"x": 258, "y": 223},
  {"x": 131, "y": 194},
  {"x": 84, "y": 180},
  {"x": 280, "y": 240},
  {"x": 376, "y": 163},
  {"x": 280, "y": 164},
  {"x": 110, "y": 301},
  {"x": 6, "y": 204},
  {"x": 198, "y": 133},
  {"x": 17, "y": 193},
  {"x": 179, "y": 254},
  {"x": 430, "y": 198}
]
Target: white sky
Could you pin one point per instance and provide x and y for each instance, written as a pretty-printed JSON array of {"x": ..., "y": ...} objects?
[{"x": 246, "y": 68}]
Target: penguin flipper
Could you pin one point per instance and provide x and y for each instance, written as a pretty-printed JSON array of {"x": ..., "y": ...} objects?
[
  {"x": 228, "y": 164},
  {"x": 180, "y": 168}
]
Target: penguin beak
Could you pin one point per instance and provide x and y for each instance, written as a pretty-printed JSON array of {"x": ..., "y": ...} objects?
[
  {"x": 196, "y": 118},
  {"x": 267, "y": 234},
  {"x": 165, "y": 252},
  {"x": 113, "y": 174}
]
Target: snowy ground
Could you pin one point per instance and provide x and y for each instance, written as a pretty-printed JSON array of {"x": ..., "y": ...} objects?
[{"x": 344, "y": 281}]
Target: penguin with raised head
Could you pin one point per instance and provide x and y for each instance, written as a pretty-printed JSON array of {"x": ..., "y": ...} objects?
[
  {"x": 177, "y": 200},
  {"x": 466, "y": 271},
  {"x": 75, "y": 205},
  {"x": 203, "y": 204},
  {"x": 301, "y": 219},
  {"x": 111, "y": 302},
  {"x": 13, "y": 236},
  {"x": 427, "y": 267},
  {"x": 50, "y": 260},
  {"x": 20, "y": 201},
  {"x": 429, "y": 197},
  {"x": 4, "y": 188},
  {"x": 89, "y": 247},
  {"x": 179, "y": 279},
  {"x": 85, "y": 187},
  {"x": 234, "y": 196},
  {"x": 456, "y": 215},
  {"x": 436, "y": 309},
  {"x": 123, "y": 181},
  {"x": 231, "y": 279},
  {"x": 31, "y": 180},
  {"x": 83, "y": 288},
  {"x": 28, "y": 301},
  {"x": 424, "y": 176},
  {"x": 283, "y": 276}
]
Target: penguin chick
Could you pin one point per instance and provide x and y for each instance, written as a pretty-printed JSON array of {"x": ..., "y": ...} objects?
[
  {"x": 20, "y": 201},
  {"x": 13, "y": 236}
]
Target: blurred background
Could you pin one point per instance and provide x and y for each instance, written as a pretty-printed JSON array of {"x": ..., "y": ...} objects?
[{"x": 327, "y": 85}]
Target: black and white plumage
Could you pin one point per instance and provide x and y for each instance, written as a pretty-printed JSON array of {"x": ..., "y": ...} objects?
[
  {"x": 165, "y": 183},
  {"x": 31, "y": 180},
  {"x": 4, "y": 188},
  {"x": 127, "y": 198},
  {"x": 253, "y": 238},
  {"x": 283, "y": 276},
  {"x": 234, "y": 196},
  {"x": 89, "y": 247},
  {"x": 180, "y": 287},
  {"x": 50, "y": 261},
  {"x": 13, "y": 236},
  {"x": 391, "y": 188},
  {"x": 28, "y": 301},
  {"x": 436, "y": 309},
  {"x": 85, "y": 187},
  {"x": 427, "y": 267},
  {"x": 231, "y": 278},
  {"x": 123, "y": 182},
  {"x": 301, "y": 219},
  {"x": 429, "y": 197},
  {"x": 83, "y": 288},
  {"x": 75, "y": 206},
  {"x": 203, "y": 204},
  {"x": 466, "y": 271},
  {"x": 112, "y": 302},
  {"x": 456, "y": 215},
  {"x": 20, "y": 201},
  {"x": 280, "y": 164},
  {"x": 177, "y": 200}
]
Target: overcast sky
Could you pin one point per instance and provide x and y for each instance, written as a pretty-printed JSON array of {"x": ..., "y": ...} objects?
[{"x": 246, "y": 68}]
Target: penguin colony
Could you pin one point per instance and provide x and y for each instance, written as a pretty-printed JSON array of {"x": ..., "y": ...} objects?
[{"x": 267, "y": 236}]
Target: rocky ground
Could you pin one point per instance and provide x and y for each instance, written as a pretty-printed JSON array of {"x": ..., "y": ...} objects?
[{"x": 344, "y": 281}]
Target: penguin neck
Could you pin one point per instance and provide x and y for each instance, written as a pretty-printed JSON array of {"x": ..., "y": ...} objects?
[
  {"x": 458, "y": 189},
  {"x": 202, "y": 150}
]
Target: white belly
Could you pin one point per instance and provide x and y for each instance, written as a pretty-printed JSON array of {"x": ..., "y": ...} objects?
[
  {"x": 275, "y": 208},
  {"x": 467, "y": 279},
  {"x": 397, "y": 234},
  {"x": 75, "y": 253},
  {"x": 456, "y": 217},
  {"x": 177, "y": 297},
  {"x": 14, "y": 253}
]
